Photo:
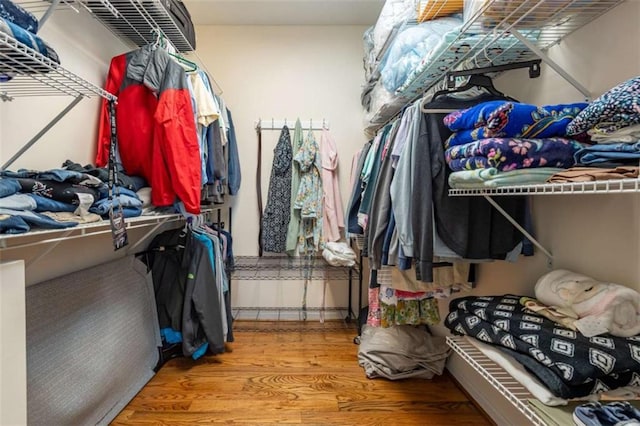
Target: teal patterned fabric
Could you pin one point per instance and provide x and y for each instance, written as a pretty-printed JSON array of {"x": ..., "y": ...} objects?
[{"x": 615, "y": 109}]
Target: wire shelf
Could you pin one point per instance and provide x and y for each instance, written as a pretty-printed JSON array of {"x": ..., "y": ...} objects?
[
  {"x": 500, "y": 32},
  {"x": 284, "y": 268},
  {"x": 36, "y": 75},
  {"x": 597, "y": 187},
  {"x": 502, "y": 381},
  {"x": 138, "y": 20}
]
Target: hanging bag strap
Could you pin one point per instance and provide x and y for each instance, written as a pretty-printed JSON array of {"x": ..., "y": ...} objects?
[
  {"x": 116, "y": 215},
  {"x": 259, "y": 187}
]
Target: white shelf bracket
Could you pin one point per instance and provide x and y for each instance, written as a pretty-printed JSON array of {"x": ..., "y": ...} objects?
[
  {"x": 520, "y": 228},
  {"x": 556, "y": 67},
  {"x": 42, "y": 132}
]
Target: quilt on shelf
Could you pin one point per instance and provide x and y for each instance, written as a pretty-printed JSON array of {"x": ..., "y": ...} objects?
[{"x": 568, "y": 363}]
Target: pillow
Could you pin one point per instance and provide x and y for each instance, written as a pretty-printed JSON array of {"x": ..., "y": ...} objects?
[
  {"x": 618, "y": 108},
  {"x": 431, "y": 9}
]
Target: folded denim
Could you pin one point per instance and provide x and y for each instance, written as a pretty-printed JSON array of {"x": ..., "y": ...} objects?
[
  {"x": 19, "y": 16},
  {"x": 13, "y": 225},
  {"x": 104, "y": 192},
  {"x": 44, "y": 204},
  {"x": 607, "y": 152},
  {"x": 18, "y": 202},
  {"x": 102, "y": 206},
  {"x": 8, "y": 187},
  {"x": 37, "y": 219}
]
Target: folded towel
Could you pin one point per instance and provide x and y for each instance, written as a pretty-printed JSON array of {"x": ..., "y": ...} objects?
[
  {"x": 602, "y": 133},
  {"x": 602, "y": 307},
  {"x": 590, "y": 174},
  {"x": 342, "y": 249},
  {"x": 507, "y": 154},
  {"x": 492, "y": 177}
]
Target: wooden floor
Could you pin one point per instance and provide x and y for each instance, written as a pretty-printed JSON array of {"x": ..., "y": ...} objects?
[{"x": 308, "y": 377}]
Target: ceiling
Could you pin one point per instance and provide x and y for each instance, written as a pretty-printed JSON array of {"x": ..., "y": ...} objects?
[{"x": 284, "y": 12}]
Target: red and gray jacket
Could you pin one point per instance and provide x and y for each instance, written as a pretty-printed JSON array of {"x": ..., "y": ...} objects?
[{"x": 156, "y": 131}]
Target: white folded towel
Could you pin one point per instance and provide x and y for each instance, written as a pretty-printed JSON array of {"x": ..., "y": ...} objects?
[
  {"x": 601, "y": 307},
  {"x": 339, "y": 254}
]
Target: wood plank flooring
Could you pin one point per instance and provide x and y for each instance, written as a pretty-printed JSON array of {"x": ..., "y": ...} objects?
[{"x": 310, "y": 376}]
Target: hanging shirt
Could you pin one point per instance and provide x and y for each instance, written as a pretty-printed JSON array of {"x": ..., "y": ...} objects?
[{"x": 206, "y": 112}]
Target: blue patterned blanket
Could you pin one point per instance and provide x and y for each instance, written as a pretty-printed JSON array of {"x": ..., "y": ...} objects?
[{"x": 504, "y": 119}]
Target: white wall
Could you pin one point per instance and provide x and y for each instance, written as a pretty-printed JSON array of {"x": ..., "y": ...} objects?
[
  {"x": 595, "y": 235},
  {"x": 279, "y": 72}
]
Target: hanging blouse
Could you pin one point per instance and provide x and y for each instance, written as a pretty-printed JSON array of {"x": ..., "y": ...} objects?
[
  {"x": 275, "y": 221},
  {"x": 309, "y": 198}
]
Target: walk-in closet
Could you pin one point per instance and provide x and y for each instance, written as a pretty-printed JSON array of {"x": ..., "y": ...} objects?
[{"x": 411, "y": 212}]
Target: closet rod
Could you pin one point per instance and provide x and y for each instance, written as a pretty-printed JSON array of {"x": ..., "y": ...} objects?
[{"x": 272, "y": 124}]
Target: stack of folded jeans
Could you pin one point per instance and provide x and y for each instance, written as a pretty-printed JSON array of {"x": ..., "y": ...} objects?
[
  {"x": 614, "y": 413},
  {"x": 613, "y": 122},
  {"x": 22, "y": 26}
]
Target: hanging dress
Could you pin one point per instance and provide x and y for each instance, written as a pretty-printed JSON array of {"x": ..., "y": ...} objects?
[{"x": 275, "y": 221}]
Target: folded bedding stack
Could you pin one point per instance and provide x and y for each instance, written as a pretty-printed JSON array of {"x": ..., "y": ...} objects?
[
  {"x": 500, "y": 143},
  {"x": 613, "y": 123},
  {"x": 21, "y": 25}
]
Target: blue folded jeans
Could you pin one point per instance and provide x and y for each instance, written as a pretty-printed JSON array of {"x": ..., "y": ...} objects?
[
  {"x": 18, "y": 202},
  {"x": 13, "y": 225},
  {"x": 44, "y": 204},
  {"x": 38, "y": 219},
  {"x": 8, "y": 187},
  {"x": 607, "y": 152}
]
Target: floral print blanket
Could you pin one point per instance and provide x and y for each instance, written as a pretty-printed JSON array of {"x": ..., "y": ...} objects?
[
  {"x": 512, "y": 153},
  {"x": 509, "y": 119}
]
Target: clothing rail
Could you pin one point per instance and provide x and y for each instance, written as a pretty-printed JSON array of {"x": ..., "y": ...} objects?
[{"x": 272, "y": 124}]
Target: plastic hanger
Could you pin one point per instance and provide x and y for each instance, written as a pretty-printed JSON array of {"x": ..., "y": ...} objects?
[
  {"x": 192, "y": 65},
  {"x": 475, "y": 80}
]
